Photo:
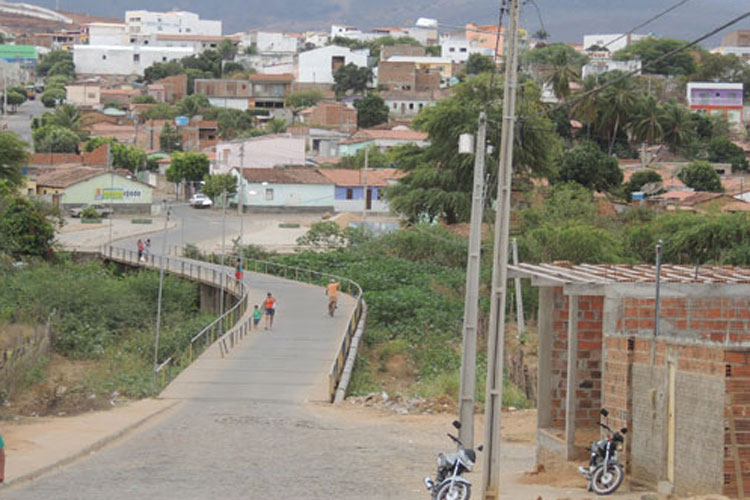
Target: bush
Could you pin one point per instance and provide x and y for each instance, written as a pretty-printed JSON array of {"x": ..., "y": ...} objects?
[
  {"x": 701, "y": 176},
  {"x": 90, "y": 213}
]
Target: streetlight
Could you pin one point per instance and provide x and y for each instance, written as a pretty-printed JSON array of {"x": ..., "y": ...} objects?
[{"x": 161, "y": 287}]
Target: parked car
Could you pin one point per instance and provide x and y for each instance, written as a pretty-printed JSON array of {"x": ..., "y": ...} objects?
[
  {"x": 102, "y": 210},
  {"x": 200, "y": 200}
]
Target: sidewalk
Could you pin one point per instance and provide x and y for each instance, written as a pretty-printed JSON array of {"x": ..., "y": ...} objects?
[{"x": 34, "y": 448}]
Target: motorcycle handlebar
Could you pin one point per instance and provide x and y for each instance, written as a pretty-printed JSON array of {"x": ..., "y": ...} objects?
[{"x": 455, "y": 439}]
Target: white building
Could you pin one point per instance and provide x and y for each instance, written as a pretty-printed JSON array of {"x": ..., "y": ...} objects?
[
  {"x": 406, "y": 105},
  {"x": 266, "y": 151},
  {"x": 123, "y": 59},
  {"x": 458, "y": 50},
  {"x": 144, "y": 22},
  {"x": 271, "y": 42},
  {"x": 741, "y": 52},
  {"x": 106, "y": 33},
  {"x": 613, "y": 42},
  {"x": 602, "y": 65},
  {"x": 316, "y": 38},
  {"x": 319, "y": 65}
]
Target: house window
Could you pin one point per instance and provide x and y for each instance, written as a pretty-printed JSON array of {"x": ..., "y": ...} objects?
[
  {"x": 349, "y": 193},
  {"x": 132, "y": 40},
  {"x": 452, "y": 49},
  {"x": 411, "y": 105},
  {"x": 92, "y": 95},
  {"x": 104, "y": 56},
  {"x": 463, "y": 49},
  {"x": 269, "y": 194},
  {"x": 718, "y": 94},
  {"x": 164, "y": 59},
  {"x": 703, "y": 94},
  {"x": 395, "y": 105},
  {"x": 136, "y": 58}
]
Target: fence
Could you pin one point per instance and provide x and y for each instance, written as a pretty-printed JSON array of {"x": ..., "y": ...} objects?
[
  {"x": 26, "y": 349},
  {"x": 227, "y": 329}
]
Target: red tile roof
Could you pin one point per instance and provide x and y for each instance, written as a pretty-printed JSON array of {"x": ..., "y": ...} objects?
[
  {"x": 285, "y": 175},
  {"x": 351, "y": 177},
  {"x": 65, "y": 176}
]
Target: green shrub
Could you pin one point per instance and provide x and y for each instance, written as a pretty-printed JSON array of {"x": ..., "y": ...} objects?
[{"x": 90, "y": 213}]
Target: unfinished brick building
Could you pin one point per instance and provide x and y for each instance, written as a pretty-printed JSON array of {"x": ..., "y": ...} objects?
[{"x": 681, "y": 385}]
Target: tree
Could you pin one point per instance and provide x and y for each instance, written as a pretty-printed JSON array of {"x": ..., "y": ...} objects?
[
  {"x": 433, "y": 50},
  {"x": 52, "y": 97},
  {"x": 55, "y": 139},
  {"x": 641, "y": 178},
  {"x": 371, "y": 111},
  {"x": 723, "y": 150},
  {"x": 589, "y": 166},
  {"x": 157, "y": 71},
  {"x": 144, "y": 99},
  {"x": 170, "y": 139},
  {"x": 68, "y": 116},
  {"x": 160, "y": 111},
  {"x": 546, "y": 55},
  {"x": 438, "y": 180},
  {"x": 215, "y": 185},
  {"x": 191, "y": 167},
  {"x": 24, "y": 228},
  {"x": 15, "y": 99},
  {"x": 478, "y": 63},
  {"x": 233, "y": 68},
  {"x": 647, "y": 123},
  {"x": 192, "y": 105},
  {"x": 351, "y": 77},
  {"x": 47, "y": 61},
  {"x": 560, "y": 70},
  {"x": 128, "y": 157},
  {"x": 227, "y": 49},
  {"x": 617, "y": 103},
  {"x": 58, "y": 81},
  {"x": 650, "y": 49},
  {"x": 12, "y": 157},
  {"x": 701, "y": 176},
  {"x": 375, "y": 159},
  {"x": 677, "y": 124},
  {"x": 303, "y": 99},
  {"x": 276, "y": 125},
  {"x": 232, "y": 122},
  {"x": 65, "y": 68}
]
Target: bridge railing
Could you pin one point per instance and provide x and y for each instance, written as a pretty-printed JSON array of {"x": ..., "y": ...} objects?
[
  {"x": 348, "y": 286},
  {"x": 228, "y": 328}
]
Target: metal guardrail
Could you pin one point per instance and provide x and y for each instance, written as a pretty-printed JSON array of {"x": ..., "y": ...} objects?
[{"x": 227, "y": 329}]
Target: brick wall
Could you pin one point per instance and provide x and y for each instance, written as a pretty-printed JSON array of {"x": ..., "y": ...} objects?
[
  {"x": 588, "y": 376},
  {"x": 737, "y": 408},
  {"x": 96, "y": 158},
  {"x": 402, "y": 50},
  {"x": 397, "y": 75},
  {"x": 53, "y": 158},
  {"x": 334, "y": 115},
  {"x": 426, "y": 80}
]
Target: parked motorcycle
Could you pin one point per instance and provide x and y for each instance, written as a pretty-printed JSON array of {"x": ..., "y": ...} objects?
[
  {"x": 449, "y": 484},
  {"x": 604, "y": 473}
]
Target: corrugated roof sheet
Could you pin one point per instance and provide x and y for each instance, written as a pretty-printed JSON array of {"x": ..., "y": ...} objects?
[{"x": 285, "y": 175}]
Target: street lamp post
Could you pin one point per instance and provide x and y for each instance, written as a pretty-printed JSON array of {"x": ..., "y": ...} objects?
[
  {"x": 161, "y": 288},
  {"x": 223, "y": 242}
]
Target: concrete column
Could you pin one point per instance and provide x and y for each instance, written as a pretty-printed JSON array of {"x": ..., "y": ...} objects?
[
  {"x": 544, "y": 350},
  {"x": 208, "y": 299},
  {"x": 571, "y": 385}
]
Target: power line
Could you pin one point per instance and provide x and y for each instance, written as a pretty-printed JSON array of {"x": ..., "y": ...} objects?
[
  {"x": 539, "y": 14},
  {"x": 648, "y": 21},
  {"x": 629, "y": 74}
]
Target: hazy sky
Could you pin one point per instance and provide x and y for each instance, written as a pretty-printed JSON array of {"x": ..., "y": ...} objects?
[{"x": 565, "y": 20}]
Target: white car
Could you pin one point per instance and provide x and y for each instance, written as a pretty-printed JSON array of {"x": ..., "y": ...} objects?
[{"x": 200, "y": 200}]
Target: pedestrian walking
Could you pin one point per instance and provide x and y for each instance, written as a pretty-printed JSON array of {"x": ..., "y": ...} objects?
[
  {"x": 238, "y": 270},
  {"x": 257, "y": 314},
  {"x": 147, "y": 249},
  {"x": 140, "y": 247},
  {"x": 270, "y": 309},
  {"x": 2, "y": 459}
]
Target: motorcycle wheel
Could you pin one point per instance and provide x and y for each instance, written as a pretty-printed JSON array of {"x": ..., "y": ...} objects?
[
  {"x": 606, "y": 482},
  {"x": 456, "y": 491}
]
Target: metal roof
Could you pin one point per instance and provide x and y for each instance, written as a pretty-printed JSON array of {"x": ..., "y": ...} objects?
[{"x": 566, "y": 273}]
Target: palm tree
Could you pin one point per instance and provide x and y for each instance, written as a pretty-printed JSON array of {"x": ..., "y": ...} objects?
[
  {"x": 559, "y": 73},
  {"x": 69, "y": 117},
  {"x": 678, "y": 127},
  {"x": 647, "y": 121},
  {"x": 586, "y": 110},
  {"x": 617, "y": 106}
]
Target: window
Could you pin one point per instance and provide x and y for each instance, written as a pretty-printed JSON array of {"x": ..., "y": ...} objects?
[
  {"x": 421, "y": 105},
  {"x": 92, "y": 95},
  {"x": 136, "y": 58},
  {"x": 703, "y": 94},
  {"x": 132, "y": 40},
  {"x": 463, "y": 49},
  {"x": 411, "y": 105},
  {"x": 452, "y": 49},
  {"x": 349, "y": 193},
  {"x": 104, "y": 56},
  {"x": 395, "y": 105},
  {"x": 187, "y": 30},
  {"x": 718, "y": 94},
  {"x": 269, "y": 194},
  {"x": 164, "y": 59}
]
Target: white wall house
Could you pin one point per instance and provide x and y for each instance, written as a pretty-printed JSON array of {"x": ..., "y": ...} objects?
[
  {"x": 458, "y": 50},
  {"x": 741, "y": 52},
  {"x": 612, "y": 40},
  {"x": 265, "y": 151},
  {"x": 122, "y": 59},
  {"x": 295, "y": 189},
  {"x": 106, "y": 33},
  {"x": 271, "y": 42},
  {"x": 599, "y": 66},
  {"x": 170, "y": 23},
  {"x": 318, "y": 65}
]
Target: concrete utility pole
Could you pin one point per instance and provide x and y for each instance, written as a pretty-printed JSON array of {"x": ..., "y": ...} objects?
[
  {"x": 364, "y": 181},
  {"x": 111, "y": 190},
  {"x": 471, "y": 303},
  {"x": 519, "y": 294},
  {"x": 496, "y": 333},
  {"x": 162, "y": 257},
  {"x": 241, "y": 203}
]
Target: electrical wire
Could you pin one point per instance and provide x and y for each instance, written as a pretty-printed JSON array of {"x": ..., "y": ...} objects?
[
  {"x": 648, "y": 21},
  {"x": 539, "y": 14}
]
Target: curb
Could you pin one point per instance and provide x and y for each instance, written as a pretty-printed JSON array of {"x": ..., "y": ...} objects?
[{"x": 86, "y": 451}]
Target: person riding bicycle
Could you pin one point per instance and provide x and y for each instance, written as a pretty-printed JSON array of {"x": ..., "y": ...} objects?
[{"x": 332, "y": 290}]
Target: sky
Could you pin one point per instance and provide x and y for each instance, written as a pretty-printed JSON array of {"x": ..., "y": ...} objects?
[{"x": 565, "y": 20}]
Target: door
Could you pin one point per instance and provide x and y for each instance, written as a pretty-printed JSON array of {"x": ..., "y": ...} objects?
[
  {"x": 671, "y": 423},
  {"x": 369, "y": 199}
]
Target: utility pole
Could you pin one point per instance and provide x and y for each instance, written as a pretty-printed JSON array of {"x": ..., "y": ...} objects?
[
  {"x": 223, "y": 239},
  {"x": 471, "y": 303},
  {"x": 111, "y": 190},
  {"x": 161, "y": 287},
  {"x": 496, "y": 333},
  {"x": 364, "y": 181},
  {"x": 519, "y": 294},
  {"x": 241, "y": 203}
]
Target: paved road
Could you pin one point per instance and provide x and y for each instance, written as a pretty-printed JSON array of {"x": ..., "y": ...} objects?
[
  {"x": 241, "y": 431},
  {"x": 20, "y": 122}
]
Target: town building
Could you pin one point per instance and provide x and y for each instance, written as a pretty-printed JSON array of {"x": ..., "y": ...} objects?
[
  {"x": 486, "y": 37},
  {"x": 385, "y": 139},
  {"x": 198, "y": 135},
  {"x": 177, "y": 22},
  {"x": 458, "y": 49},
  {"x": 319, "y": 65},
  {"x": 717, "y": 99},
  {"x": 105, "y": 33},
  {"x": 737, "y": 43},
  {"x": 76, "y": 186},
  {"x": 270, "y": 42},
  {"x": 406, "y": 105},
  {"x": 612, "y": 42},
  {"x": 123, "y": 59},
  {"x": 170, "y": 89},
  {"x": 258, "y": 91},
  {"x": 407, "y": 76},
  {"x": 387, "y": 51},
  {"x": 332, "y": 115},
  {"x": 84, "y": 94},
  {"x": 601, "y": 62},
  {"x": 360, "y": 190},
  {"x": 441, "y": 65},
  {"x": 321, "y": 144},
  {"x": 673, "y": 368},
  {"x": 266, "y": 151},
  {"x": 425, "y": 31},
  {"x": 22, "y": 57},
  {"x": 315, "y": 39},
  {"x": 291, "y": 188}
]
